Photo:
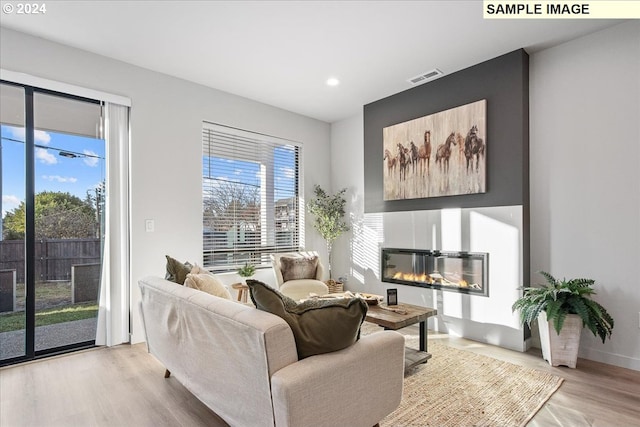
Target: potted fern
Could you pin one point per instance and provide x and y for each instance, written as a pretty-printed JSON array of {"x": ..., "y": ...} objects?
[
  {"x": 563, "y": 308},
  {"x": 329, "y": 211}
]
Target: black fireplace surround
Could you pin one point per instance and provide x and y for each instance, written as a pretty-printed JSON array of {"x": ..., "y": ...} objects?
[{"x": 464, "y": 272}]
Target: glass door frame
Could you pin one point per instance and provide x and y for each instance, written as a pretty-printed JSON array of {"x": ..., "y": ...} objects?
[{"x": 30, "y": 228}]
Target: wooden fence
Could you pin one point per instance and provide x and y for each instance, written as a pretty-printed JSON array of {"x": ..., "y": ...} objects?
[{"x": 54, "y": 257}]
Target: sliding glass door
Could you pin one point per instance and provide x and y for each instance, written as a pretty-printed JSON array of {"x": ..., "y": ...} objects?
[{"x": 53, "y": 180}]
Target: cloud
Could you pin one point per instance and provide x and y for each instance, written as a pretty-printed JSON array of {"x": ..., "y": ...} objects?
[
  {"x": 288, "y": 172},
  {"x": 90, "y": 161},
  {"x": 59, "y": 178},
  {"x": 40, "y": 136},
  {"x": 45, "y": 156},
  {"x": 9, "y": 202}
]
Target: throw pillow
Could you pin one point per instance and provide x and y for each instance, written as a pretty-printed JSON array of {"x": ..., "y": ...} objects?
[
  {"x": 199, "y": 270},
  {"x": 177, "y": 271},
  {"x": 318, "y": 325},
  {"x": 298, "y": 268},
  {"x": 207, "y": 283}
]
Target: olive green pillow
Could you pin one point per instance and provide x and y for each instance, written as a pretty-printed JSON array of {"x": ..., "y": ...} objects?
[
  {"x": 177, "y": 271},
  {"x": 318, "y": 325}
]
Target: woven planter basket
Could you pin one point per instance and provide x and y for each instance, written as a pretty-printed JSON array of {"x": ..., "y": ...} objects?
[{"x": 334, "y": 287}]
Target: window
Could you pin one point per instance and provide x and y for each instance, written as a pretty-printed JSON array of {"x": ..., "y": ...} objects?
[{"x": 251, "y": 205}]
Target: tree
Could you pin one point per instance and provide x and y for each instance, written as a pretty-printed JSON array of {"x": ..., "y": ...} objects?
[
  {"x": 229, "y": 205},
  {"x": 57, "y": 216},
  {"x": 96, "y": 198},
  {"x": 329, "y": 212}
]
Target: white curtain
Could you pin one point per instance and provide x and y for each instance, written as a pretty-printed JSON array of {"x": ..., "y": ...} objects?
[{"x": 113, "y": 315}]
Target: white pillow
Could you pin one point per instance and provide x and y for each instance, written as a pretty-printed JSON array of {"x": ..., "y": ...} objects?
[
  {"x": 199, "y": 270},
  {"x": 207, "y": 283}
]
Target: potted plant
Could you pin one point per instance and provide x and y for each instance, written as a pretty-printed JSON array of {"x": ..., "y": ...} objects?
[
  {"x": 563, "y": 308},
  {"x": 329, "y": 211},
  {"x": 247, "y": 270}
]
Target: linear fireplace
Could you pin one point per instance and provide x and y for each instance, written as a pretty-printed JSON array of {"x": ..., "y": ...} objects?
[{"x": 464, "y": 272}]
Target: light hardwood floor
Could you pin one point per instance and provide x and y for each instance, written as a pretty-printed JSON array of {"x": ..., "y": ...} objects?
[
  {"x": 124, "y": 386},
  {"x": 593, "y": 394}
]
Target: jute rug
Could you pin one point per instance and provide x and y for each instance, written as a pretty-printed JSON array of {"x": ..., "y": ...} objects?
[{"x": 460, "y": 388}]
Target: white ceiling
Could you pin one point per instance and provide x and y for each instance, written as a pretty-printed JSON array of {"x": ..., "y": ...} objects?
[{"x": 282, "y": 52}]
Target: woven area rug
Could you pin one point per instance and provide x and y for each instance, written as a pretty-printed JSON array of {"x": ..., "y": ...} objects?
[{"x": 460, "y": 388}]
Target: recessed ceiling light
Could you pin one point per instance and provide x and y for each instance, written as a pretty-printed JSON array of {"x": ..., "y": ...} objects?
[{"x": 333, "y": 82}]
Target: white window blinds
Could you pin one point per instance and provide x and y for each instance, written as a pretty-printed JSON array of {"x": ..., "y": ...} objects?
[{"x": 251, "y": 205}]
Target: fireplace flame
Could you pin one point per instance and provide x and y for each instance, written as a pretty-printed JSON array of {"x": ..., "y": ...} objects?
[{"x": 436, "y": 278}]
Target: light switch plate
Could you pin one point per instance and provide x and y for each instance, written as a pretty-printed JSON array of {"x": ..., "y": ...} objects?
[{"x": 149, "y": 225}]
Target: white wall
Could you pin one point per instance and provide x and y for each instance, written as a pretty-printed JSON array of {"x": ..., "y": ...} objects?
[
  {"x": 585, "y": 176},
  {"x": 166, "y": 129},
  {"x": 585, "y": 191}
]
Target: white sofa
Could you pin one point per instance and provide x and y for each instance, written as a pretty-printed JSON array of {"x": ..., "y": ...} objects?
[{"x": 242, "y": 363}]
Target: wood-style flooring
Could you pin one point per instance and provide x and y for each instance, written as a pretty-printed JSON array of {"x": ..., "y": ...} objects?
[
  {"x": 125, "y": 386},
  {"x": 594, "y": 394}
]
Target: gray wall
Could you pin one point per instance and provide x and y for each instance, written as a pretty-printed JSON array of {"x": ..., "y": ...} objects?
[{"x": 504, "y": 83}]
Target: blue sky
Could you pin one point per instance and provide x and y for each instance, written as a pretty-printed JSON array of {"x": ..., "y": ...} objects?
[
  {"x": 53, "y": 172},
  {"x": 246, "y": 172},
  {"x": 77, "y": 175}
]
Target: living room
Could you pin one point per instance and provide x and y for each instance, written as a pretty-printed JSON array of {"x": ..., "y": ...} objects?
[{"x": 582, "y": 210}]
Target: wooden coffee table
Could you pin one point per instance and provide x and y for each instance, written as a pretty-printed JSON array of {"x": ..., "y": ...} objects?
[{"x": 405, "y": 315}]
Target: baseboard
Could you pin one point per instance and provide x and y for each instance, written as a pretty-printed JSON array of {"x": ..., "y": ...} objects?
[{"x": 610, "y": 358}]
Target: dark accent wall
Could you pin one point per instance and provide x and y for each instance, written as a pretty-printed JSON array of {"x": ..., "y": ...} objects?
[{"x": 504, "y": 83}]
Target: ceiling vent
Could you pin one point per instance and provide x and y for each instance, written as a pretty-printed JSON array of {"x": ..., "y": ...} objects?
[{"x": 425, "y": 77}]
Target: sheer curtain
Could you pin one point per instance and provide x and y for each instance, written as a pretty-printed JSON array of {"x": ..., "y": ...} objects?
[{"x": 113, "y": 315}]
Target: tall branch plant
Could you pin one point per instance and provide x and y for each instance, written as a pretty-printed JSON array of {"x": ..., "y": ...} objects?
[{"x": 329, "y": 211}]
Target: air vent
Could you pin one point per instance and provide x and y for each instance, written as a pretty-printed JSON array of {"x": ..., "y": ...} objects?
[{"x": 425, "y": 77}]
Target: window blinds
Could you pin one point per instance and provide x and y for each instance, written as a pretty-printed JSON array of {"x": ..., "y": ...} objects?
[{"x": 251, "y": 205}]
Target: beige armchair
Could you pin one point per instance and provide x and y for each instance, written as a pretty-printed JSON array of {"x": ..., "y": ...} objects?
[{"x": 298, "y": 288}]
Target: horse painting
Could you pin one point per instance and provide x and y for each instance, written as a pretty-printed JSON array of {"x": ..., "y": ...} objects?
[
  {"x": 452, "y": 138},
  {"x": 444, "y": 152},
  {"x": 424, "y": 153}
]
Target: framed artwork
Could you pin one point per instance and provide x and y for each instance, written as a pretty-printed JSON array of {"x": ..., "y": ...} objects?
[{"x": 442, "y": 154}]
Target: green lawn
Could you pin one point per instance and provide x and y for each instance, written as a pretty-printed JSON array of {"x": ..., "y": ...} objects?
[
  {"x": 48, "y": 295},
  {"x": 15, "y": 321}
]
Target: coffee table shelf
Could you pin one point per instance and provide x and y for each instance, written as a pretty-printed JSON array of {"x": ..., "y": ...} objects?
[{"x": 403, "y": 316}]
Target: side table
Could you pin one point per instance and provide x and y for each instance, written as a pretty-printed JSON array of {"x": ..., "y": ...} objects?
[{"x": 243, "y": 291}]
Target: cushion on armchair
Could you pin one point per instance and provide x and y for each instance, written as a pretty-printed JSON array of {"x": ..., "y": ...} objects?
[
  {"x": 318, "y": 325},
  {"x": 298, "y": 268}
]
